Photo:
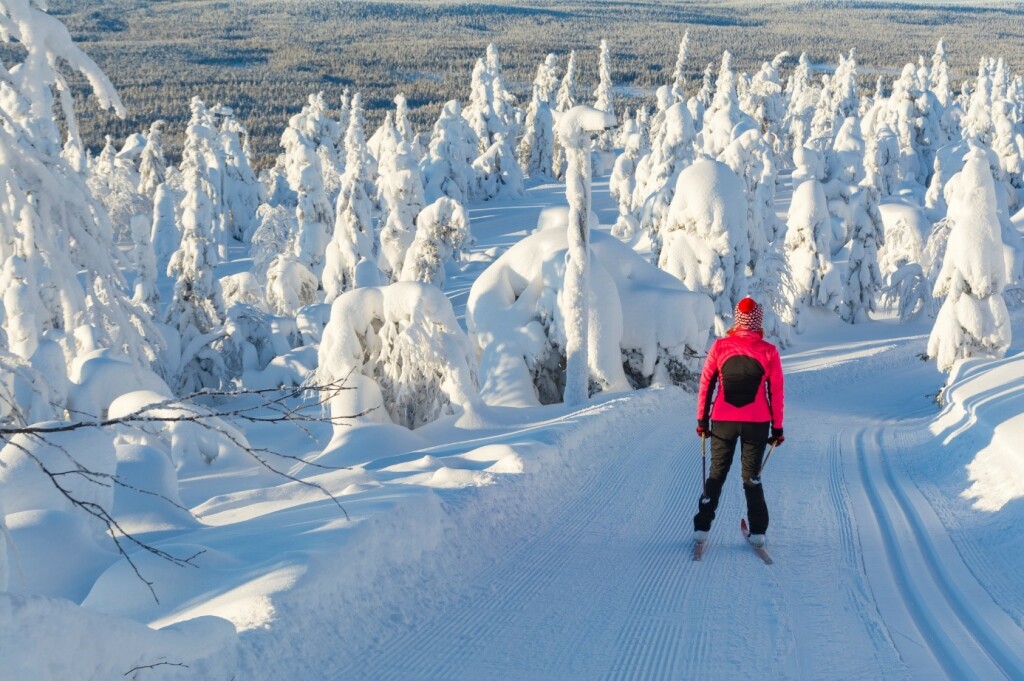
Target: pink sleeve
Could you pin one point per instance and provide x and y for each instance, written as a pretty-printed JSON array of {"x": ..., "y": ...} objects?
[
  {"x": 776, "y": 389},
  {"x": 708, "y": 377}
]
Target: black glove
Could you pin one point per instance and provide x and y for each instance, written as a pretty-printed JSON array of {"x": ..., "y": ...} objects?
[
  {"x": 777, "y": 437},
  {"x": 703, "y": 428}
]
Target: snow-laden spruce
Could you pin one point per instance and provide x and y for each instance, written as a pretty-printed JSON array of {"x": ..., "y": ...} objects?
[
  {"x": 305, "y": 173},
  {"x": 447, "y": 168},
  {"x": 196, "y": 310},
  {"x": 519, "y": 310},
  {"x": 399, "y": 356},
  {"x": 706, "y": 242},
  {"x": 537, "y": 148},
  {"x": 442, "y": 229},
  {"x": 672, "y": 150},
  {"x": 604, "y": 96},
  {"x": 750, "y": 157},
  {"x": 59, "y": 267},
  {"x": 808, "y": 248},
  {"x": 724, "y": 119},
  {"x": 152, "y": 164},
  {"x": 400, "y": 195},
  {"x": 565, "y": 100},
  {"x": 241, "y": 188},
  {"x": 973, "y": 319},
  {"x": 497, "y": 173}
]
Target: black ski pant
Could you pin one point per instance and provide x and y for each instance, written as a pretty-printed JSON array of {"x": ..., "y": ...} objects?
[{"x": 753, "y": 439}]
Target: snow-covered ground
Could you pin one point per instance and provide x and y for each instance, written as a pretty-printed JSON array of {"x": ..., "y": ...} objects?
[{"x": 551, "y": 543}]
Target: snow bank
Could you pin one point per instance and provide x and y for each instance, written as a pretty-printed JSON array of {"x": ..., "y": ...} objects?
[
  {"x": 984, "y": 420},
  {"x": 516, "y": 319},
  {"x": 78, "y": 644}
]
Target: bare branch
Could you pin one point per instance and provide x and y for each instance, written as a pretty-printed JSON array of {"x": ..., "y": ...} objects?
[{"x": 154, "y": 665}]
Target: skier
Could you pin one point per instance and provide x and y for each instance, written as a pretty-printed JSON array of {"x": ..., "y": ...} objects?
[{"x": 748, "y": 407}]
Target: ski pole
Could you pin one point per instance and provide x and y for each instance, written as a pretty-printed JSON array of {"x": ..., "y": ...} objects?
[
  {"x": 764, "y": 464},
  {"x": 704, "y": 463}
]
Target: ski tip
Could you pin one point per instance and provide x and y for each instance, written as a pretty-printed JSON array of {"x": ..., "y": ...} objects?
[{"x": 743, "y": 524}]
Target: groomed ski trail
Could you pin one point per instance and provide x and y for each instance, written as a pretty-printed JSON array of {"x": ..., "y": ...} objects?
[{"x": 608, "y": 589}]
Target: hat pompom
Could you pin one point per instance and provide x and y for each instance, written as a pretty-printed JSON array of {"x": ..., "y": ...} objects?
[{"x": 746, "y": 305}]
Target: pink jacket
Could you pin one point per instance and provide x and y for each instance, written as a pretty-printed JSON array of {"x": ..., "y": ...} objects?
[{"x": 748, "y": 373}]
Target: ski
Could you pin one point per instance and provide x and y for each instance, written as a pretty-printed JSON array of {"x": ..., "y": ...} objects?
[
  {"x": 759, "y": 550},
  {"x": 698, "y": 550}
]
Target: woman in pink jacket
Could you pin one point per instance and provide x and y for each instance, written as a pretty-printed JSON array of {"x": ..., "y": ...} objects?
[{"x": 747, "y": 406}]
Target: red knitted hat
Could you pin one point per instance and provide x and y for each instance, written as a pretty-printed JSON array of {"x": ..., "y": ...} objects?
[{"x": 748, "y": 315}]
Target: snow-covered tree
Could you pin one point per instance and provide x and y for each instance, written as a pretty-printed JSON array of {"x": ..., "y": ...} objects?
[
  {"x": 537, "y": 148},
  {"x": 622, "y": 183},
  {"x": 354, "y": 247},
  {"x": 679, "y": 72},
  {"x": 497, "y": 174},
  {"x": 401, "y": 197},
  {"x": 59, "y": 268},
  {"x": 290, "y": 285},
  {"x": 275, "y": 230},
  {"x": 313, "y": 211},
  {"x": 576, "y": 128},
  {"x": 765, "y": 103},
  {"x": 115, "y": 184},
  {"x": 808, "y": 249},
  {"x": 144, "y": 255},
  {"x": 803, "y": 96},
  {"x": 723, "y": 116},
  {"x": 547, "y": 80},
  {"x": 480, "y": 113},
  {"x": 504, "y": 101},
  {"x": 447, "y": 168},
  {"x": 938, "y": 77},
  {"x": 604, "y": 97},
  {"x": 205, "y": 157},
  {"x": 750, "y": 157},
  {"x": 405, "y": 127},
  {"x": 882, "y": 160},
  {"x": 862, "y": 279},
  {"x": 973, "y": 319},
  {"x": 401, "y": 354},
  {"x": 240, "y": 187},
  {"x": 656, "y": 173},
  {"x": 566, "y": 99},
  {"x": 196, "y": 309},
  {"x": 164, "y": 234},
  {"x": 699, "y": 103},
  {"x": 442, "y": 229},
  {"x": 152, "y": 164},
  {"x": 706, "y": 243}
]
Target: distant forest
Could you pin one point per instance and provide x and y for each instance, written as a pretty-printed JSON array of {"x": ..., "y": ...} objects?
[{"x": 263, "y": 57}]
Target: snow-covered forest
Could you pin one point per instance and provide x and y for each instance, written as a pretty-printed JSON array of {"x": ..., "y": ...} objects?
[{"x": 235, "y": 395}]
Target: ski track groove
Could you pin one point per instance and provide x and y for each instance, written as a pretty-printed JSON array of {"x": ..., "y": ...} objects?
[
  {"x": 995, "y": 575},
  {"x": 416, "y": 650},
  {"x": 995, "y": 646},
  {"x": 958, "y": 638}
]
